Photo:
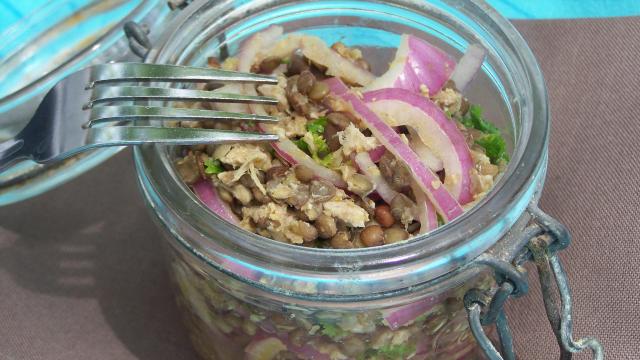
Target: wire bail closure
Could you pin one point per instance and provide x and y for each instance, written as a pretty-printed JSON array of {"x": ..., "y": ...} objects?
[
  {"x": 138, "y": 38},
  {"x": 542, "y": 240}
]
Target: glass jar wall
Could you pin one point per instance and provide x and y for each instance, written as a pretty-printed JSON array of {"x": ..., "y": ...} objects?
[{"x": 245, "y": 295}]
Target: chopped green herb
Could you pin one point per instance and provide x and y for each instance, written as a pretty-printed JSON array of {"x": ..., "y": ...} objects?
[
  {"x": 423, "y": 317},
  {"x": 302, "y": 145},
  {"x": 493, "y": 142},
  {"x": 389, "y": 352},
  {"x": 440, "y": 220},
  {"x": 475, "y": 120},
  {"x": 326, "y": 161},
  {"x": 333, "y": 331},
  {"x": 397, "y": 352},
  {"x": 448, "y": 113},
  {"x": 317, "y": 126},
  {"x": 313, "y": 144},
  {"x": 212, "y": 166},
  {"x": 286, "y": 61},
  {"x": 249, "y": 124},
  {"x": 495, "y": 147},
  {"x": 322, "y": 149}
]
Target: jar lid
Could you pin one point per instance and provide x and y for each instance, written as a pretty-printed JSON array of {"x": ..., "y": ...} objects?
[{"x": 50, "y": 43}]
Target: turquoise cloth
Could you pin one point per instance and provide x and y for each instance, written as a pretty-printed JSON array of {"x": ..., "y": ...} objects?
[{"x": 13, "y": 10}]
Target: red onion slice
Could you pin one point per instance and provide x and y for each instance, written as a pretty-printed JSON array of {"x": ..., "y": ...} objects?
[
  {"x": 207, "y": 193},
  {"x": 426, "y": 212},
  {"x": 264, "y": 344},
  {"x": 445, "y": 204},
  {"x": 404, "y": 315},
  {"x": 264, "y": 348},
  {"x": 436, "y": 131},
  {"x": 377, "y": 153},
  {"x": 426, "y": 155},
  {"x": 417, "y": 64},
  {"x": 290, "y": 153},
  {"x": 371, "y": 171},
  {"x": 468, "y": 66}
]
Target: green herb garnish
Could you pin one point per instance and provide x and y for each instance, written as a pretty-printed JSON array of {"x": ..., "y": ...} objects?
[
  {"x": 492, "y": 142},
  {"x": 333, "y": 331},
  {"x": 313, "y": 144},
  {"x": 389, "y": 352},
  {"x": 474, "y": 120},
  {"x": 213, "y": 167},
  {"x": 495, "y": 147},
  {"x": 302, "y": 145},
  {"x": 397, "y": 352},
  {"x": 317, "y": 126}
]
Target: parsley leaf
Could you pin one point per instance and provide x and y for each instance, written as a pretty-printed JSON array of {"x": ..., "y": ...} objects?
[
  {"x": 474, "y": 120},
  {"x": 390, "y": 352},
  {"x": 322, "y": 149},
  {"x": 492, "y": 142},
  {"x": 302, "y": 145},
  {"x": 314, "y": 144},
  {"x": 212, "y": 166},
  {"x": 396, "y": 352},
  {"x": 327, "y": 161},
  {"x": 333, "y": 331},
  {"x": 317, "y": 126},
  {"x": 495, "y": 147}
]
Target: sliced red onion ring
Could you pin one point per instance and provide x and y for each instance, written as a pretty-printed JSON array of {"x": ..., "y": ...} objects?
[
  {"x": 399, "y": 317},
  {"x": 264, "y": 347},
  {"x": 247, "y": 57},
  {"x": 468, "y": 66},
  {"x": 255, "y": 44},
  {"x": 290, "y": 153},
  {"x": 436, "y": 131},
  {"x": 445, "y": 204},
  {"x": 417, "y": 64},
  {"x": 316, "y": 50},
  {"x": 426, "y": 155},
  {"x": 371, "y": 171},
  {"x": 377, "y": 153},
  {"x": 209, "y": 196},
  {"x": 307, "y": 352},
  {"x": 264, "y": 344},
  {"x": 426, "y": 212}
]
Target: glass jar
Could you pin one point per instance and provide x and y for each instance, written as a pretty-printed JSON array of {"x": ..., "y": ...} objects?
[{"x": 247, "y": 296}]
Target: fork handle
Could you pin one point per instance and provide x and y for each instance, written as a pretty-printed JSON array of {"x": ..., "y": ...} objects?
[{"x": 10, "y": 153}]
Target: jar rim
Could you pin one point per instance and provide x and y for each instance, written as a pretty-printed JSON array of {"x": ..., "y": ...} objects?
[{"x": 425, "y": 257}]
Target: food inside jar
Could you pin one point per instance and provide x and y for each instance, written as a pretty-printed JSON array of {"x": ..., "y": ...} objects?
[
  {"x": 225, "y": 325},
  {"x": 362, "y": 160}
]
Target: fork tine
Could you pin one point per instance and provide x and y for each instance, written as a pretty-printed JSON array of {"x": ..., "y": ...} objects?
[
  {"x": 113, "y": 93},
  {"x": 138, "y": 135},
  {"x": 133, "y": 72},
  {"x": 102, "y": 114}
]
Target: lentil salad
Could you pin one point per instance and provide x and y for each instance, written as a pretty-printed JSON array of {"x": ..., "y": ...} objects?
[{"x": 363, "y": 161}]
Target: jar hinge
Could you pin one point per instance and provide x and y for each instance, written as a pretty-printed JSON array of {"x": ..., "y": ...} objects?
[{"x": 543, "y": 239}]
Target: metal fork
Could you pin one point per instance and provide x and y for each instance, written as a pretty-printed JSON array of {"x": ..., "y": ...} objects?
[{"x": 71, "y": 119}]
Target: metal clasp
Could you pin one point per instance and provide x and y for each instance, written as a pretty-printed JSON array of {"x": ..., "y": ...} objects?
[
  {"x": 138, "y": 38},
  {"x": 544, "y": 238}
]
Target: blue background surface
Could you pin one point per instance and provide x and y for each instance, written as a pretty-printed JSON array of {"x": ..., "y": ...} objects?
[{"x": 13, "y": 10}]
